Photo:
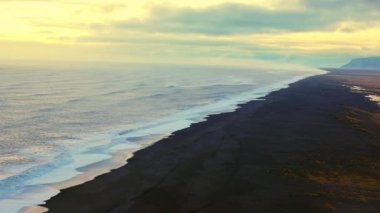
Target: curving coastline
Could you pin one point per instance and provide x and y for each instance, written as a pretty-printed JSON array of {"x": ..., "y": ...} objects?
[
  {"x": 311, "y": 147},
  {"x": 83, "y": 153}
]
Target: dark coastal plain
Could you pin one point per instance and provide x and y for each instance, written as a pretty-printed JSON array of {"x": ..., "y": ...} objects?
[{"x": 313, "y": 147}]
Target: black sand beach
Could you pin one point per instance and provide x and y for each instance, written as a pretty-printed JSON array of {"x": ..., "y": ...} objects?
[{"x": 313, "y": 147}]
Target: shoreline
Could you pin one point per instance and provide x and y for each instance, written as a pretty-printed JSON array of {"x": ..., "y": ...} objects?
[
  {"x": 58, "y": 203},
  {"x": 121, "y": 156},
  {"x": 158, "y": 168}
]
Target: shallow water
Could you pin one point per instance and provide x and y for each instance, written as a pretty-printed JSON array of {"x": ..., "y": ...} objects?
[
  {"x": 55, "y": 123},
  {"x": 374, "y": 98}
]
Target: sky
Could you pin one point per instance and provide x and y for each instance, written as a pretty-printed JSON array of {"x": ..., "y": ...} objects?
[{"x": 322, "y": 33}]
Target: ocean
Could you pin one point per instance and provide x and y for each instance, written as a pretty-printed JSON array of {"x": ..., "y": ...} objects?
[{"x": 57, "y": 124}]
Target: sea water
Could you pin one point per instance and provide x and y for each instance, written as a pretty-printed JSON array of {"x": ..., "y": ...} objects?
[{"x": 60, "y": 123}]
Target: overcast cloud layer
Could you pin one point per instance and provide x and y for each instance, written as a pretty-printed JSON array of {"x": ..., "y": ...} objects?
[
  {"x": 319, "y": 33},
  {"x": 246, "y": 19}
]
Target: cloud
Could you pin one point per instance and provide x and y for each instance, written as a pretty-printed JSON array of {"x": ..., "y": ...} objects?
[
  {"x": 110, "y": 8},
  {"x": 227, "y": 19},
  {"x": 308, "y": 31},
  {"x": 359, "y": 10},
  {"x": 352, "y": 4},
  {"x": 106, "y": 8}
]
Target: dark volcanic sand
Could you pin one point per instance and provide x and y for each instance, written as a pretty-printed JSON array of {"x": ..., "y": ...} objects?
[{"x": 313, "y": 147}]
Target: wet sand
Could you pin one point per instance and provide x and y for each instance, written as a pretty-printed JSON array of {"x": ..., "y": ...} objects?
[{"x": 313, "y": 147}]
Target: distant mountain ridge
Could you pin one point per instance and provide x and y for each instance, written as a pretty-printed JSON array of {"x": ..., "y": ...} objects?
[{"x": 364, "y": 63}]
